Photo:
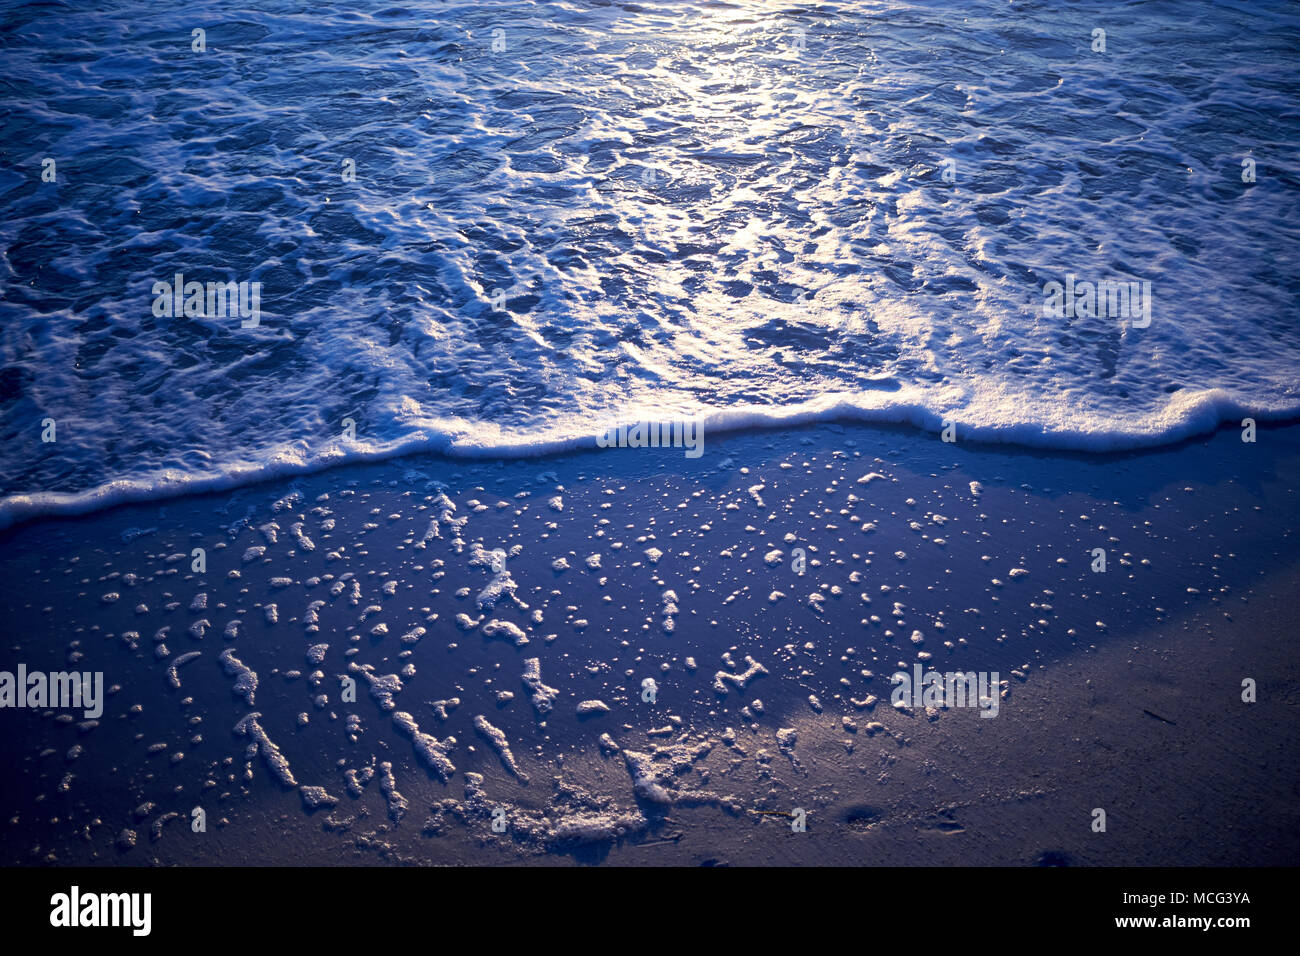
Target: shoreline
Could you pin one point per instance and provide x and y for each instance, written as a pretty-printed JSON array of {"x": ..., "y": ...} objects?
[{"x": 24, "y": 507}]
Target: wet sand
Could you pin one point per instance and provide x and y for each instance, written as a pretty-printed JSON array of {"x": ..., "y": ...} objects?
[{"x": 510, "y": 686}]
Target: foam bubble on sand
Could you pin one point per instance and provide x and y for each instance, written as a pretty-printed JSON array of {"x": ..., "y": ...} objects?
[
  {"x": 245, "y": 678},
  {"x": 293, "y": 497},
  {"x": 300, "y": 536},
  {"x": 670, "y": 608},
  {"x": 652, "y": 775},
  {"x": 543, "y": 696},
  {"x": 388, "y": 787},
  {"x": 654, "y": 554},
  {"x": 173, "y": 678},
  {"x": 556, "y": 503},
  {"x": 382, "y": 686},
  {"x": 722, "y": 678},
  {"x": 447, "y": 516},
  {"x": 869, "y": 478},
  {"x": 253, "y": 553},
  {"x": 200, "y": 603},
  {"x": 774, "y": 557},
  {"x": 596, "y": 827},
  {"x": 786, "y": 738},
  {"x": 430, "y": 533},
  {"x": 497, "y": 738},
  {"x": 589, "y": 707},
  {"x": 645, "y": 780},
  {"x": 431, "y": 750},
  {"x": 316, "y": 653},
  {"x": 502, "y": 584},
  {"x": 442, "y": 707},
  {"x": 571, "y": 817},
  {"x": 506, "y": 629},
  {"x": 357, "y": 778},
  {"x": 476, "y": 802},
  {"x": 560, "y": 565},
  {"x": 313, "y": 798},
  {"x": 275, "y": 760},
  {"x": 156, "y": 828}
]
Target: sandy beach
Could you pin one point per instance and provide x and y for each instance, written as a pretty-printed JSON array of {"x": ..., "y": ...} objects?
[{"x": 500, "y": 620}]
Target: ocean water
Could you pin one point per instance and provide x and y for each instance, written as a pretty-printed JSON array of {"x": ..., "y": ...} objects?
[{"x": 499, "y": 228}]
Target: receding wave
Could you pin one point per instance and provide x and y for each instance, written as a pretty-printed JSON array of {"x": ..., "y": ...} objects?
[{"x": 461, "y": 228}]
